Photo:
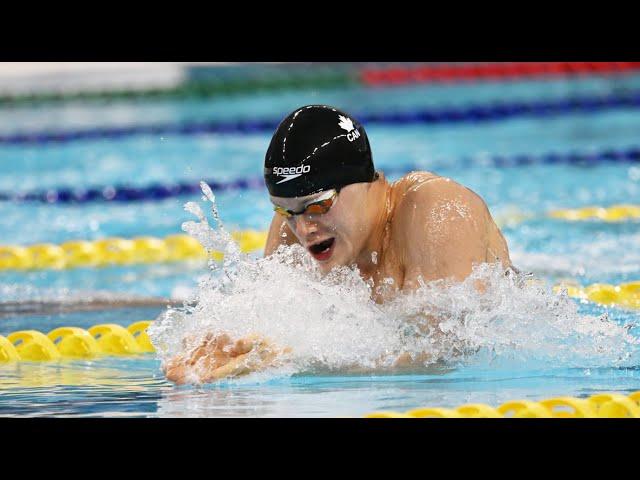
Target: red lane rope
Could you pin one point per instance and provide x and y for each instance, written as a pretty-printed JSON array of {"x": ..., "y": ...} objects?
[{"x": 488, "y": 71}]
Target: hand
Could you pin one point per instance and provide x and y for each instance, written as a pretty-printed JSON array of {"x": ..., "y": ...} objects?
[{"x": 218, "y": 357}]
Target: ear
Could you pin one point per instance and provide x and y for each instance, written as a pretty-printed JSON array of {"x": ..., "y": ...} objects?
[
  {"x": 375, "y": 180},
  {"x": 376, "y": 177}
]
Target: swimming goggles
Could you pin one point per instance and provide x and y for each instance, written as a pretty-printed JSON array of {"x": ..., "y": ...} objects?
[{"x": 318, "y": 206}]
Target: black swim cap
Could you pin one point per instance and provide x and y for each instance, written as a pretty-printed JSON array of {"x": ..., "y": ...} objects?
[{"x": 317, "y": 148}]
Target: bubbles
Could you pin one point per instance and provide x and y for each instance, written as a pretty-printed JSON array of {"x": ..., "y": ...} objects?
[{"x": 331, "y": 323}]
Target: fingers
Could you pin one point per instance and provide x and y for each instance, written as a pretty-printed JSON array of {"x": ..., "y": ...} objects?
[
  {"x": 241, "y": 347},
  {"x": 245, "y": 345},
  {"x": 193, "y": 339},
  {"x": 210, "y": 345},
  {"x": 176, "y": 373},
  {"x": 207, "y": 355},
  {"x": 260, "y": 357},
  {"x": 234, "y": 368}
]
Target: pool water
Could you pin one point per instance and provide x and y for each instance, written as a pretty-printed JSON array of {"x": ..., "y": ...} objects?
[{"x": 586, "y": 252}]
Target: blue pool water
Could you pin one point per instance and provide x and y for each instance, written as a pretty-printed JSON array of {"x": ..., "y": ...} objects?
[{"x": 587, "y": 252}]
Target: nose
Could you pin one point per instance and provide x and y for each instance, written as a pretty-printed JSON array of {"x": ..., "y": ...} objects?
[{"x": 304, "y": 225}]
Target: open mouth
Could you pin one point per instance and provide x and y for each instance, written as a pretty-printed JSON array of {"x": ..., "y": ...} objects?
[{"x": 322, "y": 250}]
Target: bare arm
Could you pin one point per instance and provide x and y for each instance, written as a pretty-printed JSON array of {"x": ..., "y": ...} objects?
[{"x": 279, "y": 234}]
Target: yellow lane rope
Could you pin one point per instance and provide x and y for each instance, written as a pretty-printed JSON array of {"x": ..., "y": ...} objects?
[
  {"x": 112, "y": 339},
  {"x": 625, "y": 295},
  {"x": 615, "y": 213},
  {"x": 74, "y": 342},
  {"x": 512, "y": 217},
  {"x": 175, "y": 248},
  {"x": 602, "y": 405},
  {"x": 117, "y": 251}
]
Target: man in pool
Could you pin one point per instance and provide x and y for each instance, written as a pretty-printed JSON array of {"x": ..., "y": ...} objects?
[{"x": 329, "y": 199}]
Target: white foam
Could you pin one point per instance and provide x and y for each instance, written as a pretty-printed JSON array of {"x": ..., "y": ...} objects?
[{"x": 330, "y": 322}]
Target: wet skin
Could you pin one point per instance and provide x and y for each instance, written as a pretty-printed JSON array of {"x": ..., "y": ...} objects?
[{"x": 420, "y": 228}]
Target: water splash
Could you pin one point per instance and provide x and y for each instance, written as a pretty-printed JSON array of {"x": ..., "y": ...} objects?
[
  {"x": 516, "y": 320},
  {"x": 331, "y": 323},
  {"x": 212, "y": 239}
]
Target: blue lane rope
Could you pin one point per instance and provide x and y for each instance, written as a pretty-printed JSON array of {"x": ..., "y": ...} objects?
[
  {"x": 157, "y": 191},
  {"x": 128, "y": 193},
  {"x": 477, "y": 113}
]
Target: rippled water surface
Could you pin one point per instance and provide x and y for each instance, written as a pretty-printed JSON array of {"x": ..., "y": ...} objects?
[{"x": 528, "y": 345}]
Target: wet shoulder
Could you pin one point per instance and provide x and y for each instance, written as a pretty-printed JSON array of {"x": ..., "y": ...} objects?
[
  {"x": 427, "y": 187},
  {"x": 412, "y": 182},
  {"x": 420, "y": 196}
]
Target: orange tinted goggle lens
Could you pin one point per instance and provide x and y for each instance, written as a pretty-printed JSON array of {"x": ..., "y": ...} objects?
[
  {"x": 323, "y": 206},
  {"x": 318, "y": 208}
]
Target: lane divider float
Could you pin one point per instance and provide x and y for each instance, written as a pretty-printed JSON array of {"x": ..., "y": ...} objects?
[
  {"x": 614, "y": 213},
  {"x": 602, "y": 405},
  {"x": 626, "y": 295},
  {"x": 116, "y": 340},
  {"x": 618, "y": 213},
  {"x": 118, "y": 251},
  {"x": 402, "y": 75},
  {"x": 173, "y": 248},
  {"x": 76, "y": 343}
]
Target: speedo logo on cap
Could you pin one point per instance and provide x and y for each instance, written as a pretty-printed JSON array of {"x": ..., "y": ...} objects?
[{"x": 290, "y": 172}]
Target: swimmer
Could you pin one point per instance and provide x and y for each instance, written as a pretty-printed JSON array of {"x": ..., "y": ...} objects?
[{"x": 329, "y": 199}]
